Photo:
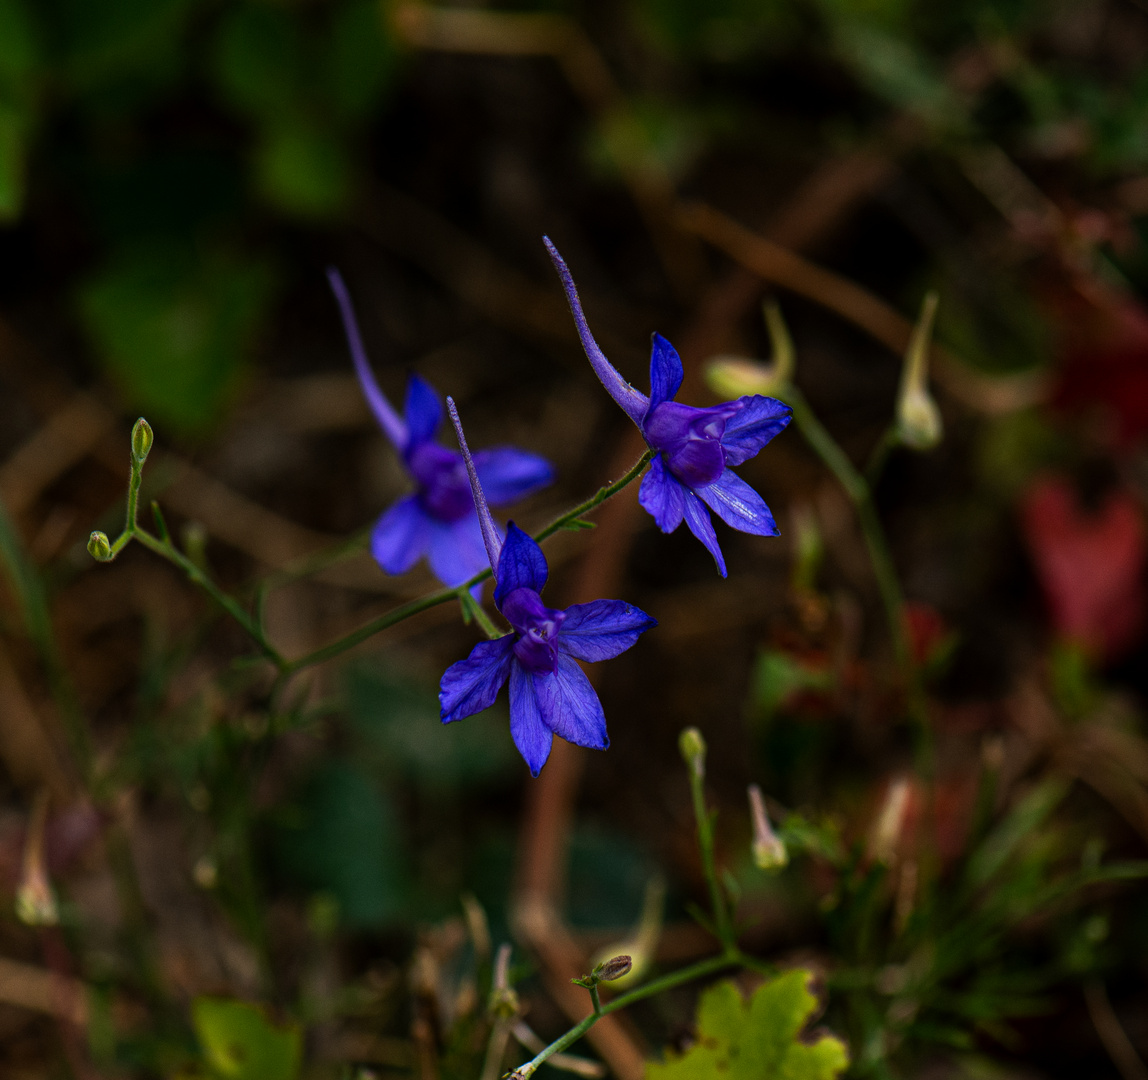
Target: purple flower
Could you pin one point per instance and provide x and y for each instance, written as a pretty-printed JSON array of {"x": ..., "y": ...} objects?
[
  {"x": 439, "y": 519},
  {"x": 549, "y": 693},
  {"x": 693, "y": 448}
]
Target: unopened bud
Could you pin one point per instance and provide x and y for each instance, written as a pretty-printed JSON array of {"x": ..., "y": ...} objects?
[
  {"x": 918, "y": 419},
  {"x": 35, "y": 899},
  {"x": 36, "y": 903},
  {"x": 99, "y": 547},
  {"x": 142, "y": 438},
  {"x": 768, "y": 850},
  {"x": 736, "y": 376},
  {"x": 638, "y": 948},
  {"x": 503, "y": 1004},
  {"x": 614, "y": 968},
  {"x": 693, "y": 750},
  {"x": 890, "y": 822},
  {"x": 205, "y": 873}
]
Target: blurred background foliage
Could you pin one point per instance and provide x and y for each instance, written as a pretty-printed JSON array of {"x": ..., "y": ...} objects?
[{"x": 319, "y": 878}]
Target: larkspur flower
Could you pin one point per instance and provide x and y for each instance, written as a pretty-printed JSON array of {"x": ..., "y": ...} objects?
[
  {"x": 439, "y": 519},
  {"x": 549, "y": 693},
  {"x": 693, "y": 448}
]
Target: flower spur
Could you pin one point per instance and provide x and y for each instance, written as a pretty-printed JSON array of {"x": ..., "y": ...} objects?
[
  {"x": 693, "y": 448},
  {"x": 549, "y": 693},
  {"x": 439, "y": 519}
]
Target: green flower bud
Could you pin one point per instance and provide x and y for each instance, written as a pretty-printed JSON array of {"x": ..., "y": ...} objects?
[
  {"x": 693, "y": 750},
  {"x": 99, "y": 547},
  {"x": 142, "y": 438}
]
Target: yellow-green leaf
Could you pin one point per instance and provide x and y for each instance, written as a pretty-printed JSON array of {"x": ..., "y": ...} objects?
[
  {"x": 756, "y": 1039},
  {"x": 240, "y": 1043}
]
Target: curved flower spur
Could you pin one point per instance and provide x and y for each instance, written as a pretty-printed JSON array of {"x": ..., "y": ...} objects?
[
  {"x": 439, "y": 519},
  {"x": 693, "y": 448},
  {"x": 549, "y": 693}
]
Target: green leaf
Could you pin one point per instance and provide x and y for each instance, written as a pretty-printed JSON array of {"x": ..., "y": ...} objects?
[
  {"x": 778, "y": 676},
  {"x": 397, "y": 723},
  {"x": 240, "y": 1043},
  {"x": 259, "y": 60},
  {"x": 758, "y": 1039},
  {"x": 303, "y": 169},
  {"x": 12, "y": 128},
  {"x": 111, "y": 41},
  {"x": 19, "y": 51},
  {"x": 579, "y": 524},
  {"x": 999, "y": 849},
  {"x": 346, "y": 842},
  {"x": 173, "y": 329},
  {"x": 361, "y": 58}
]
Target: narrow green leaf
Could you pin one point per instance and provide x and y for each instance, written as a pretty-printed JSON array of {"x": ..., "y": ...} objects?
[{"x": 1000, "y": 845}]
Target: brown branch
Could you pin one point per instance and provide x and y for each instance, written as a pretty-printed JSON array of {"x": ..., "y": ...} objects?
[
  {"x": 63, "y": 440},
  {"x": 1112, "y": 1033},
  {"x": 556, "y": 36},
  {"x": 35, "y": 988},
  {"x": 782, "y": 267}
]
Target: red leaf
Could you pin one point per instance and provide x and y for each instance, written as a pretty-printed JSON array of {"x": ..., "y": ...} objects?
[{"x": 1090, "y": 565}]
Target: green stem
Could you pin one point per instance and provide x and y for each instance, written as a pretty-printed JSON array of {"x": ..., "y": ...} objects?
[
  {"x": 596, "y": 1001},
  {"x": 198, "y": 577},
  {"x": 134, "y": 483},
  {"x": 722, "y": 922},
  {"x": 881, "y": 559},
  {"x": 375, "y": 626},
  {"x": 252, "y": 624},
  {"x": 416, "y": 607},
  {"x": 655, "y": 986},
  {"x": 32, "y": 599},
  {"x": 596, "y": 500},
  {"x": 861, "y": 496},
  {"x": 879, "y": 458},
  {"x": 486, "y": 623}
]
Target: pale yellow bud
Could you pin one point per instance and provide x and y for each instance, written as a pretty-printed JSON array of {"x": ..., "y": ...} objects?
[
  {"x": 693, "y": 750},
  {"x": 768, "y": 850},
  {"x": 918, "y": 419}
]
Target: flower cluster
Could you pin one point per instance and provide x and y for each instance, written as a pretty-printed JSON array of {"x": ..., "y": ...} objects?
[
  {"x": 448, "y": 518},
  {"x": 549, "y": 693}
]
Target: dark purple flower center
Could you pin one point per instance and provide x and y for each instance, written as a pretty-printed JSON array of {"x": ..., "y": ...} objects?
[
  {"x": 537, "y": 628},
  {"x": 689, "y": 440},
  {"x": 444, "y": 490}
]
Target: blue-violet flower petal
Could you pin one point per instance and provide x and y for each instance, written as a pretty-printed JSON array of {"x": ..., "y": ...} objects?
[
  {"x": 527, "y": 728},
  {"x": 521, "y": 565},
  {"x": 601, "y": 629},
  {"x": 738, "y": 505},
  {"x": 401, "y": 536},
  {"x": 472, "y": 684}
]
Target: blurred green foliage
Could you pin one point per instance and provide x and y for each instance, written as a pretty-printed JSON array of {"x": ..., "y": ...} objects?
[
  {"x": 342, "y": 837},
  {"x": 264, "y": 109},
  {"x": 240, "y": 1043},
  {"x": 179, "y": 124}
]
